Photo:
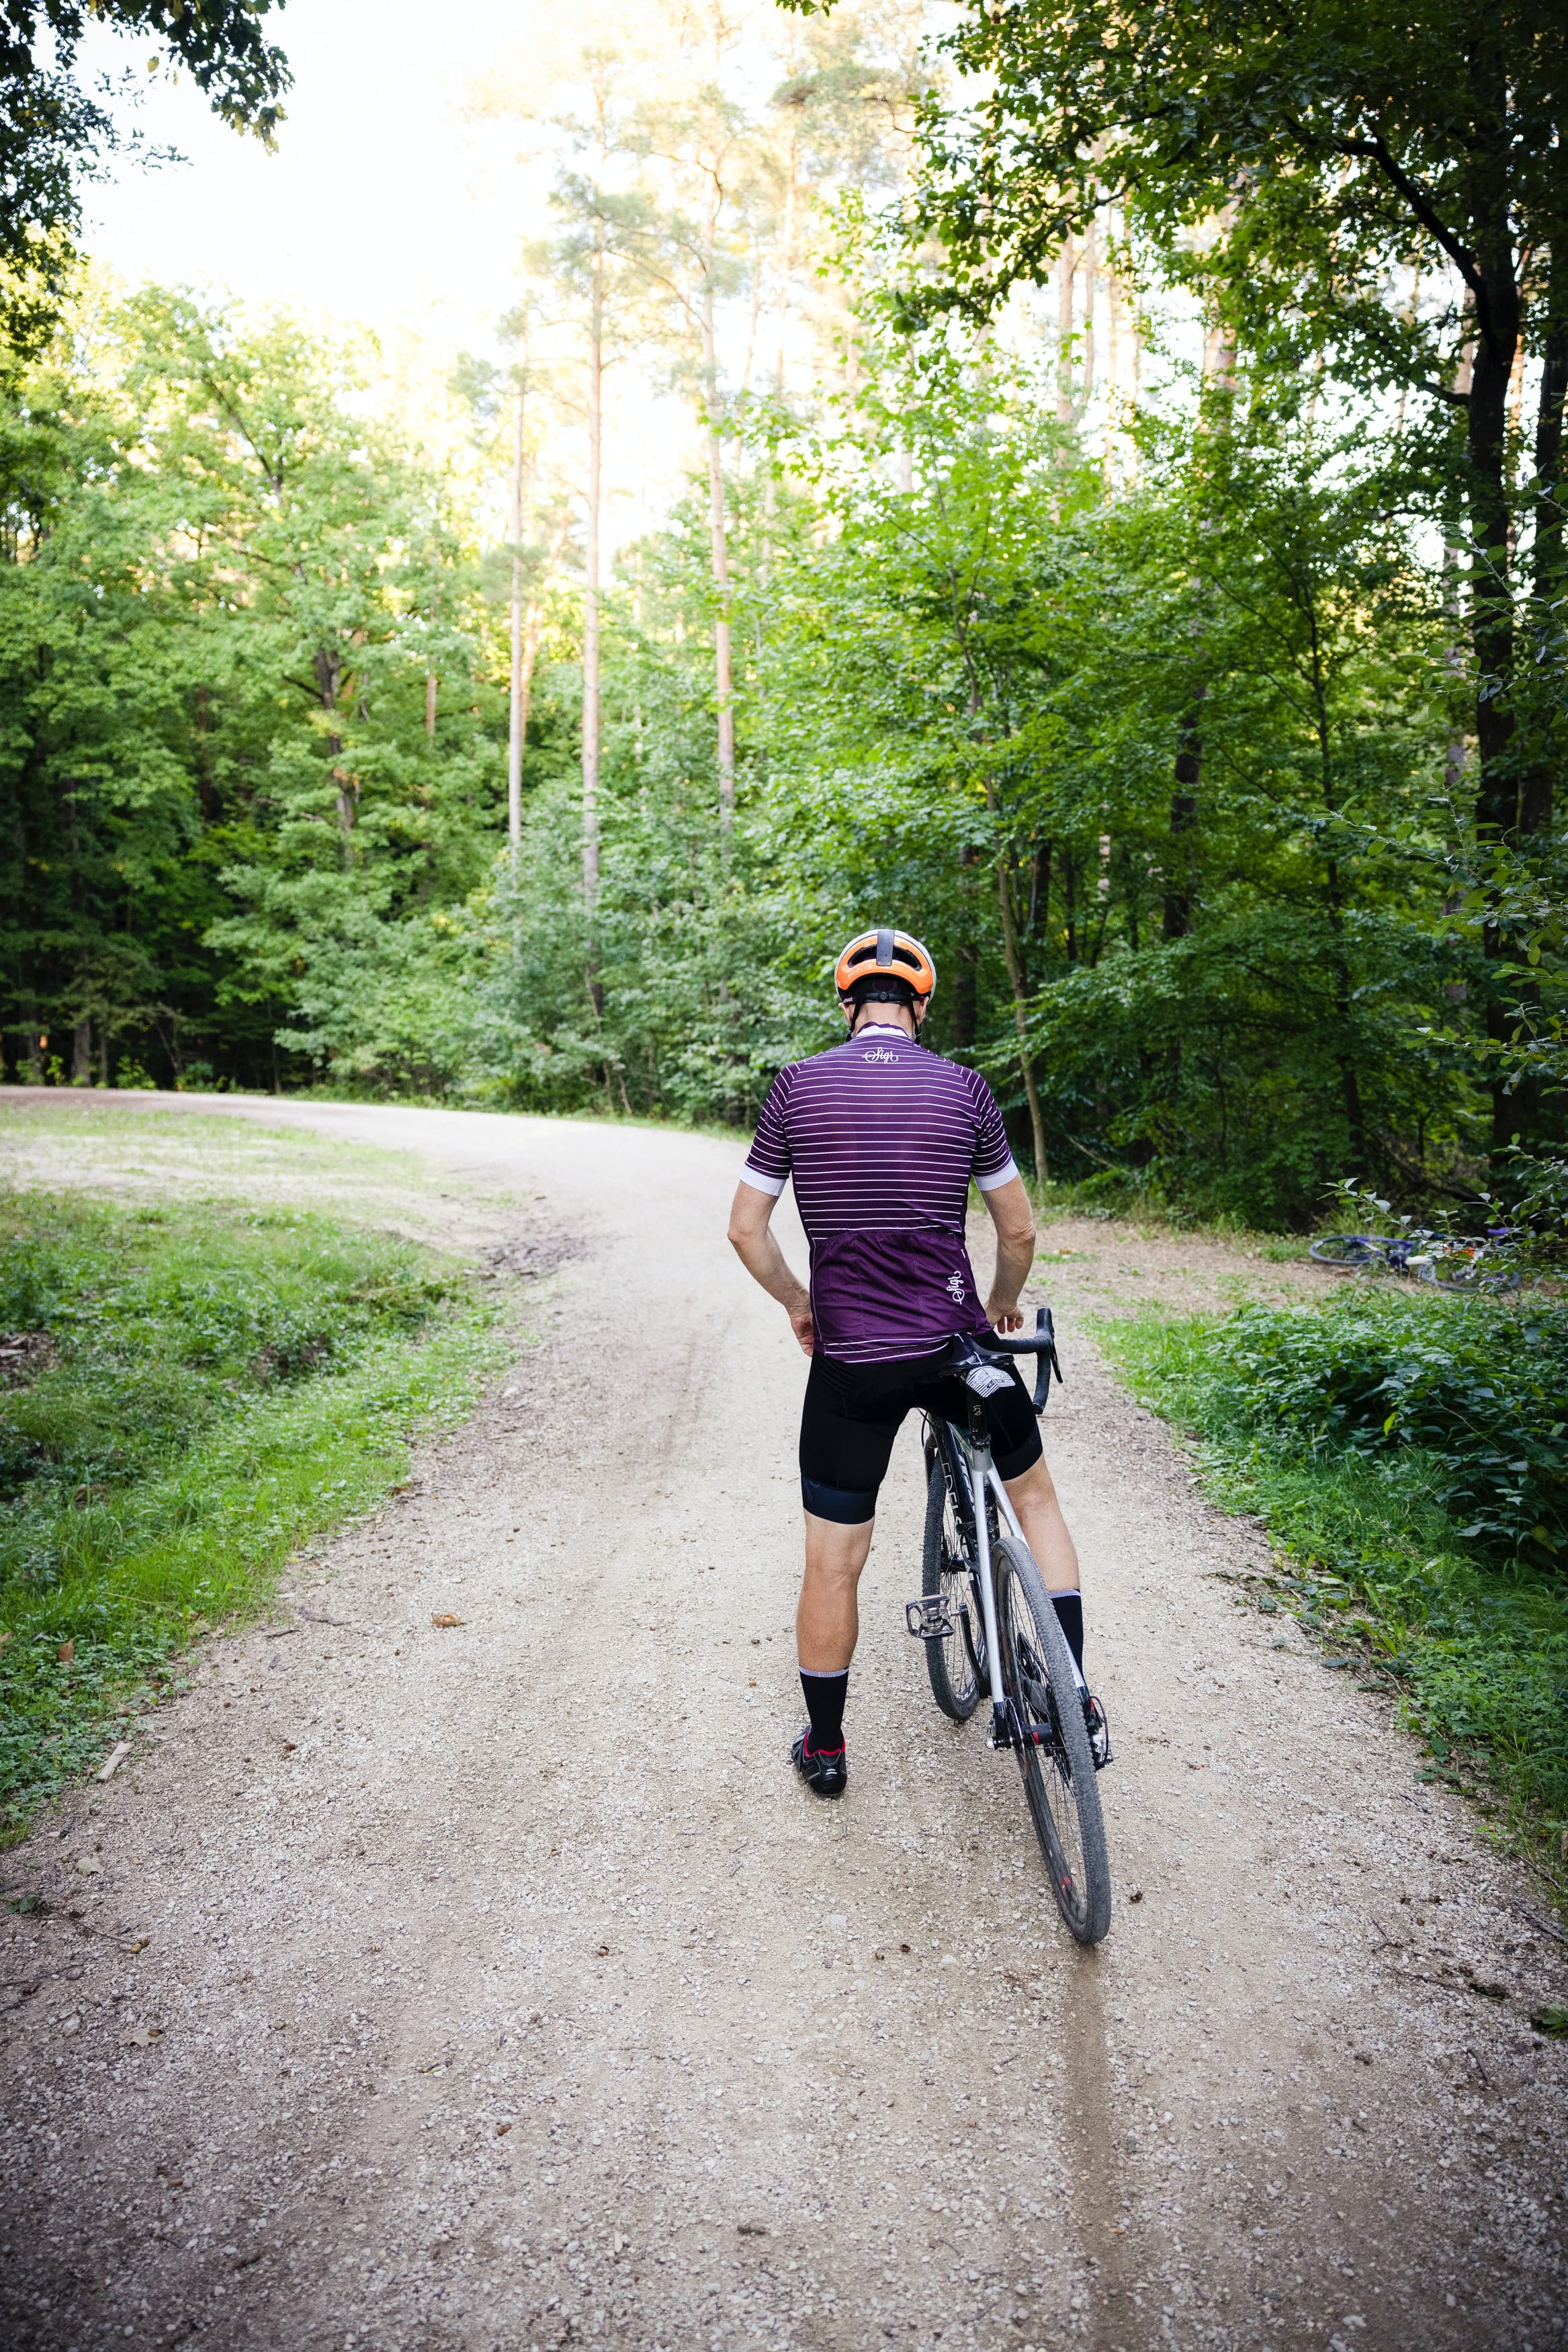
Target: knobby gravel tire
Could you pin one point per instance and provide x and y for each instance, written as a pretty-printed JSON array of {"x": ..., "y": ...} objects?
[
  {"x": 956, "y": 1665},
  {"x": 1058, "y": 1776}
]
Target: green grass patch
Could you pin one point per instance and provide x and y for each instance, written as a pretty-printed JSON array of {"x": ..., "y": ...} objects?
[
  {"x": 1371, "y": 1554},
  {"x": 192, "y": 1393}
]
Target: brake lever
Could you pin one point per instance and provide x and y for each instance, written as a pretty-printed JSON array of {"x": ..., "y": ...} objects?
[{"x": 1047, "y": 1360}]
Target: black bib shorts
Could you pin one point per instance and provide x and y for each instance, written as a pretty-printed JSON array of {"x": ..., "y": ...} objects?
[{"x": 853, "y": 1412}]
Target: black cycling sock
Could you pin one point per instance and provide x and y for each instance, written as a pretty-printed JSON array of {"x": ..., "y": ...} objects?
[
  {"x": 1069, "y": 1608},
  {"x": 825, "y": 1705}
]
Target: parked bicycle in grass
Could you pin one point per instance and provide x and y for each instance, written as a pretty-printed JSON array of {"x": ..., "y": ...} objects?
[
  {"x": 1472, "y": 1263},
  {"x": 1486, "y": 1261}
]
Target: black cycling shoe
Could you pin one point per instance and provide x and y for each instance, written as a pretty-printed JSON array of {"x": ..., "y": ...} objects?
[
  {"x": 825, "y": 1771},
  {"x": 1099, "y": 1731}
]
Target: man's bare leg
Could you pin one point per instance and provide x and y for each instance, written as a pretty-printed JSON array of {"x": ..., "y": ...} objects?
[
  {"x": 1033, "y": 1497},
  {"x": 827, "y": 1621}
]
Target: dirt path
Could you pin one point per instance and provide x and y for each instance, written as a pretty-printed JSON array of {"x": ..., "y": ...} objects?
[{"x": 510, "y": 1993}]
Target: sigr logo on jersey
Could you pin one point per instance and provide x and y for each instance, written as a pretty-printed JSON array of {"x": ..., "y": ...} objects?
[
  {"x": 879, "y": 1053},
  {"x": 956, "y": 1288}
]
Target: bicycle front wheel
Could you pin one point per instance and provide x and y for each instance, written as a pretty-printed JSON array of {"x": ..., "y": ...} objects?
[
  {"x": 1356, "y": 1252},
  {"x": 956, "y": 1661},
  {"x": 1053, "y": 1751}
]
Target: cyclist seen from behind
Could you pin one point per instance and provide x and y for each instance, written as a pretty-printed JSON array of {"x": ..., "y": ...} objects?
[{"x": 882, "y": 1138}]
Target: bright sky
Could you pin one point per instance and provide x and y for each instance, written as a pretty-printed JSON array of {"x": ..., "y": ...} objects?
[{"x": 379, "y": 203}]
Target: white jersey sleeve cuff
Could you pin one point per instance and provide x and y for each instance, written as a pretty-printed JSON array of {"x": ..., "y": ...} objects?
[
  {"x": 988, "y": 1183},
  {"x": 761, "y": 1184}
]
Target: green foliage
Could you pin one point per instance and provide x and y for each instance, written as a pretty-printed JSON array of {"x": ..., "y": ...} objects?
[
  {"x": 1347, "y": 191},
  {"x": 1155, "y": 765},
  {"x": 207, "y": 1385},
  {"x": 1478, "y": 1388},
  {"x": 55, "y": 130},
  {"x": 223, "y": 590},
  {"x": 1373, "y": 1556}
]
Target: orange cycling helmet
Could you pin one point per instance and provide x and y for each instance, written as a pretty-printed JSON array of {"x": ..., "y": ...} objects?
[{"x": 884, "y": 956}]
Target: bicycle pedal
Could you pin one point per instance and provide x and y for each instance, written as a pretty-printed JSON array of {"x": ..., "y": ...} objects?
[{"x": 930, "y": 1620}]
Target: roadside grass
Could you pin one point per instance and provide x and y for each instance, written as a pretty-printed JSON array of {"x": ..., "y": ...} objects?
[
  {"x": 120, "y": 1147},
  {"x": 1370, "y": 1561},
  {"x": 191, "y": 1393}
]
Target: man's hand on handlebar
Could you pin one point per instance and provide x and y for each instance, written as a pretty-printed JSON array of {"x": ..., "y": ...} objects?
[{"x": 1002, "y": 1313}]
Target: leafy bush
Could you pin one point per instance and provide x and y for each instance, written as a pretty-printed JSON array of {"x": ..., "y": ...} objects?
[
  {"x": 1369, "y": 1553},
  {"x": 1478, "y": 1386},
  {"x": 193, "y": 1393}
]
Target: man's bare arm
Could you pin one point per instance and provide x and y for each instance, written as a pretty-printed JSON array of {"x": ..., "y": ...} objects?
[
  {"x": 754, "y": 1243},
  {"x": 1008, "y": 1209}
]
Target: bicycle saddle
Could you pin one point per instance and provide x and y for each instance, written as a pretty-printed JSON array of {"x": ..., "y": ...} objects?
[
  {"x": 975, "y": 1359},
  {"x": 980, "y": 1374}
]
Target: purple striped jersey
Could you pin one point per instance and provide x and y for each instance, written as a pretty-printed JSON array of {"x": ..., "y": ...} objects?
[{"x": 882, "y": 1138}]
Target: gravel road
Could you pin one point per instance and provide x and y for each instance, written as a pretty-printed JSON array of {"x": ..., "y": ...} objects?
[{"x": 495, "y": 1984}]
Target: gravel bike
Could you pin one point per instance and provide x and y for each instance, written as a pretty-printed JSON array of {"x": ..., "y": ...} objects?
[
  {"x": 988, "y": 1625},
  {"x": 1465, "y": 1265}
]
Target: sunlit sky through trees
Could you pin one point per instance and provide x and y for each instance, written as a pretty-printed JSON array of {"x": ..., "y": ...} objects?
[
  {"x": 381, "y": 203},
  {"x": 392, "y": 201}
]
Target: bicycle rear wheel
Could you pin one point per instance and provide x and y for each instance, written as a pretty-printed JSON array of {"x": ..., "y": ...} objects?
[
  {"x": 1454, "y": 1272},
  {"x": 1356, "y": 1251},
  {"x": 1053, "y": 1752},
  {"x": 957, "y": 1662}
]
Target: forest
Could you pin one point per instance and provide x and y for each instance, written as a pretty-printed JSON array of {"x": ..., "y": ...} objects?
[{"x": 1116, "y": 531}]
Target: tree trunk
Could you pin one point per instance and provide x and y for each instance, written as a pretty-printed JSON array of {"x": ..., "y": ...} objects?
[
  {"x": 1066, "y": 272},
  {"x": 1498, "y": 794},
  {"x": 1177, "y": 913},
  {"x": 590, "y": 614},
  {"x": 517, "y": 718},
  {"x": 1017, "y": 983},
  {"x": 329, "y": 686},
  {"x": 203, "y": 754},
  {"x": 1090, "y": 272},
  {"x": 1550, "y": 573},
  {"x": 1491, "y": 603},
  {"x": 1113, "y": 366},
  {"x": 81, "y": 1054},
  {"x": 723, "y": 685},
  {"x": 430, "y": 684},
  {"x": 965, "y": 982},
  {"x": 719, "y": 557}
]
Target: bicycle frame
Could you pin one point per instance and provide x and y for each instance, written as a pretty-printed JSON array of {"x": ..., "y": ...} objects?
[{"x": 971, "y": 1456}]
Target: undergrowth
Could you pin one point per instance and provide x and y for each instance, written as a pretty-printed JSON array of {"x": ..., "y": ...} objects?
[
  {"x": 192, "y": 1393},
  {"x": 1415, "y": 1596}
]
